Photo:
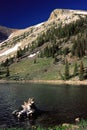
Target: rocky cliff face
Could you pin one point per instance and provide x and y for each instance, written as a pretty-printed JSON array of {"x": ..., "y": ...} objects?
[{"x": 58, "y": 13}]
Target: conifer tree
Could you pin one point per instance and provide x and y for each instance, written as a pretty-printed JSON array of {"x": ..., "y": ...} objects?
[
  {"x": 7, "y": 72},
  {"x": 35, "y": 61},
  {"x": 75, "y": 69},
  {"x": 81, "y": 71},
  {"x": 6, "y": 63},
  {"x": 67, "y": 75},
  {"x": 41, "y": 54}
]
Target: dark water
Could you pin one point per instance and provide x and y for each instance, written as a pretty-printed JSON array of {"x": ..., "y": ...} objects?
[{"x": 64, "y": 103}]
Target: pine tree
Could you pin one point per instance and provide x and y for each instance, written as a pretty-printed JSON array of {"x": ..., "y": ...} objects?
[
  {"x": 75, "y": 69},
  {"x": 0, "y": 70},
  {"x": 67, "y": 75},
  {"x": 35, "y": 61},
  {"x": 7, "y": 72},
  {"x": 6, "y": 63},
  {"x": 81, "y": 72},
  {"x": 19, "y": 53},
  {"x": 41, "y": 54}
]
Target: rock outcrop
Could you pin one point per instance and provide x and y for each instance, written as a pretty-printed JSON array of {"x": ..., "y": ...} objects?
[{"x": 59, "y": 13}]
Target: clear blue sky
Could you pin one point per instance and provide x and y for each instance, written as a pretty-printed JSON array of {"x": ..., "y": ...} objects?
[{"x": 24, "y": 13}]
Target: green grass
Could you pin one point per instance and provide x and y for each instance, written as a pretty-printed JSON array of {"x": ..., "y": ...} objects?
[
  {"x": 82, "y": 125},
  {"x": 38, "y": 128},
  {"x": 42, "y": 69}
]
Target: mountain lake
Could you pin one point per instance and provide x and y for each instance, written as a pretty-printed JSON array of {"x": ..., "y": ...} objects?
[{"x": 61, "y": 103}]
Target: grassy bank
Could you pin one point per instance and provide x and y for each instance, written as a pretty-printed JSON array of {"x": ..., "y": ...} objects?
[
  {"x": 42, "y": 69},
  {"x": 82, "y": 125}
]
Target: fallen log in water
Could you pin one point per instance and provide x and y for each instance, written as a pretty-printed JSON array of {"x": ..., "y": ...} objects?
[{"x": 28, "y": 109}]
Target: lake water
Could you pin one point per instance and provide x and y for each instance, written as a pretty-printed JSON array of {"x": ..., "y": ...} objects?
[{"x": 64, "y": 103}]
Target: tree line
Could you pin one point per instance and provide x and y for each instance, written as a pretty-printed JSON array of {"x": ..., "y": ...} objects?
[
  {"x": 79, "y": 47},
  {"x": 78, "y": 71}
]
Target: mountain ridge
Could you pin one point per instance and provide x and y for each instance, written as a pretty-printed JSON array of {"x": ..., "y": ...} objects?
[
  {"x": 59, "y": 12},
  {"x": 34, "y": 31},
  {"x": 41, "y": 51},
  {"x": 5, "y": 32}
]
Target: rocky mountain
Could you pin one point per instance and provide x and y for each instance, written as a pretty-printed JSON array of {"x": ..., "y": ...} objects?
[
  {"x": 5, "y": 33},
  {"x": 62, "y": 36},
  {"x": 26, "y": 37}
]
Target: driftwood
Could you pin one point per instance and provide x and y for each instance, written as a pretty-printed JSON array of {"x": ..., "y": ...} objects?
[{"x": 28, "y": 109}]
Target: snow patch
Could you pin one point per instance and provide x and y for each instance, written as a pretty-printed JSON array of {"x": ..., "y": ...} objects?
[
  {"x": 10, "y": 36},
  {"x": 38, "y": 25},
  {"x": 32, "y": 55},
  {"x": 10, "y": 50},
  {"x": 81, "y": 12},
  {"x": 6, "y": 39}
]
